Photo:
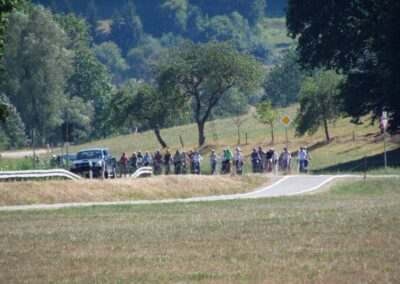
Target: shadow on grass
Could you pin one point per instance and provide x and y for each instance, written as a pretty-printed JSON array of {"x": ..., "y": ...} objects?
[{"x": 372, "y": 163}]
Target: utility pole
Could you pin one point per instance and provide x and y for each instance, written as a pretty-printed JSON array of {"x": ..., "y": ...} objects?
[
  {"x": 384, "y": 121},
  {"x": 33, "y": 147}
]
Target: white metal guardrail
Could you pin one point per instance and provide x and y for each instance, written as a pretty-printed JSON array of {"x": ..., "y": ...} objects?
[
  {"x": 142, "y": 171},
  {"x": 6, "y": 175}
]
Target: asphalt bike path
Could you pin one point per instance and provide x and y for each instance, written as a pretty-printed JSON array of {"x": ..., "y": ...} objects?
[{"x": 284, "y": 186}]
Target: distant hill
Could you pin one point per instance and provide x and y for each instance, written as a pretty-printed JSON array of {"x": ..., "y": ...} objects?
[{"x": 275, "y": 8}]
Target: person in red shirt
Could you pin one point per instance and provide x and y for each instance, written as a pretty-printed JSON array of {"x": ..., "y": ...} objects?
[{"x": 123, "y": 161}]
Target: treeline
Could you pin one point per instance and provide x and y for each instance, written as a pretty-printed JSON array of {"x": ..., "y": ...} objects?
[
  {"x": 54, "y": 74},
  {"x": 132, "y": 24}
]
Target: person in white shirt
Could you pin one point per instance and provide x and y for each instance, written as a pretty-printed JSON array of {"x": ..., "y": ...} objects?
[
  {"x": 301, "y": 157},
  {"x": 285, "y": 160},
  {"x": 239, "y": 160},
  {"x": 197, "y": 162},
  {"x": 213, "y": 162}
]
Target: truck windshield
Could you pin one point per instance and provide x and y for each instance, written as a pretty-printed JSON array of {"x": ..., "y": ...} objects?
[{"x": 86, "y": 155}]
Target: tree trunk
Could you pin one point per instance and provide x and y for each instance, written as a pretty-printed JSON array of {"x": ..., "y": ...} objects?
[
  {"x": 326, "y": 129},
  {"x": 202, "y": 137},
  {"x": 159, "y": 138},
  {"x": 272, "y": 134}
]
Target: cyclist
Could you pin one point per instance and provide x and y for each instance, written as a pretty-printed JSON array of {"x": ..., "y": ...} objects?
[
  {"x": 223, "y": 162},
  {"x": 285, "y": 161},
  {"x": 191, "y": 161},
  {"x": 139, "y": 159},
  {"x": 157, "y": 163},
  {"x": 213, "y": 162},
  {"x": 255, "y": 160},
  {"x": 261, "y": 164},
  {"x": 228, "y": 158},
  {"x": 184, "y": 162},
  {"x": 147, "y": 160},
  {"x": 177, "y": 162},
  {"x": 239, "y": 161},
  {"x": 167, "y": 162},
  {"x": 123, "y": 162},
  {"x": 197, "y": 162},
  {"x": 133, "y": 163}
]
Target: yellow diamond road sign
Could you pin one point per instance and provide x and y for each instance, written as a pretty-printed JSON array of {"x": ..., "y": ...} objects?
[{"x": 286, "y": 120}]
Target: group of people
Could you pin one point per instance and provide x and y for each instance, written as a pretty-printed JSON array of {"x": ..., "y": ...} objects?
[
  {"x": 181, "y": 161},
  {"x": 267, "y": 162},
  {"x": 229, "y": 161}
]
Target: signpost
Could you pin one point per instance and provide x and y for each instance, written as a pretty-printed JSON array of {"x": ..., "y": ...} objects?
[
  {"x": 384, "y": 121},
  {"x": 286, "y": 120}
]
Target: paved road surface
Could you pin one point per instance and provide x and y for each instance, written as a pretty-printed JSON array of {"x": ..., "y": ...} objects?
[{"x": 284, "y": 186}]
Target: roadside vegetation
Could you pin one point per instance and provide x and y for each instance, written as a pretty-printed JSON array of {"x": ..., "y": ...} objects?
[
  {"x": 349, "y": 233},
  {"x": 160, "y": 187}
]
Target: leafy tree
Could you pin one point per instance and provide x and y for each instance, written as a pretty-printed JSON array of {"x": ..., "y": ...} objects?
[
  {"x": 268, "y": 115},
  {"x": 91, "y": 81},
  {"x": 79, "y": 114},
  {"x": 92, "y": 15},
  {"x": 38, "y": 65},
  {"x": 126, "y": 27},
  {"x": 76, "y": 29},
  {"x": 6, "y": 6},
  {"x": 3, "y": 111},
  {"x": 282, "y": 84},
  {"x": 148, "y": 106},
  {"x": 12, "y": 129},
  {"x": 174, "y": 15},
  {"x": 204, "y": 73},
  {"x": 143, "y": 58},
  {"x": 233, "y": 27},
  {"x": 109, "y": 54},
  {"x": 358, "y": 38},
  {"x": 319, "y": 102}
]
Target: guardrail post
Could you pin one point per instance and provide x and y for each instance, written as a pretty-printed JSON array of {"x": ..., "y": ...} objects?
[
  {"x": 365, "y": 167},
  {"x": 90, "y": 170}
]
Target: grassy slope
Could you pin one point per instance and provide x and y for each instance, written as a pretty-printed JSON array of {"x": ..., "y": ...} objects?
[
  {"x": 330, "y": 157},
  {"x": 351, "y": 234}
]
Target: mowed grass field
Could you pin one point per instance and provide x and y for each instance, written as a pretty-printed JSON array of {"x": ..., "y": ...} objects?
[{"x": 350, "y": 234}]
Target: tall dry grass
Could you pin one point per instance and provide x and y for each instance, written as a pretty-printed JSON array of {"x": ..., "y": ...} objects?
[{"x": 155, "y": 188}]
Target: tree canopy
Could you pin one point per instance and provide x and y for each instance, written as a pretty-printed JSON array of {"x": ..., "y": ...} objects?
[
  {"x": 319, "y": 102},
  {"x": 282, "y": 84},
  {"x": 204, "y": 73},
  {"x": 38, "y": 65},
  {"x": 359, "y": 39}
]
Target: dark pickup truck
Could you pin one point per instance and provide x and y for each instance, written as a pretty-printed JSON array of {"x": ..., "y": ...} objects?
[{"x": 95, "y": 159}]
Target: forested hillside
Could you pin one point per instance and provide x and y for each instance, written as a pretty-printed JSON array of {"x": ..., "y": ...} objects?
[
  {"x": 130, "y": 24},
  {"x": 66, "y": 63}
]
